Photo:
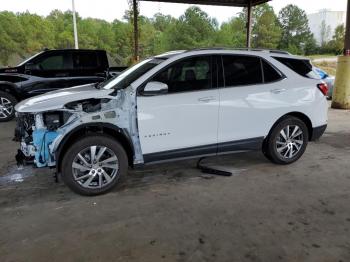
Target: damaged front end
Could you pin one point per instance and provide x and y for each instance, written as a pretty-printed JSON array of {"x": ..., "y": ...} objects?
[
  {"x": 45, "y": 121},
  {"x": 36, "y": 134}
]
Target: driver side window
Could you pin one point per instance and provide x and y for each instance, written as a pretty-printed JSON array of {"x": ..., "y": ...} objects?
[{"x": 190, "y": 74}]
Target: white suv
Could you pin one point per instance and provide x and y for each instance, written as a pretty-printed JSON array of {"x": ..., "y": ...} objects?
[{"x": 178, "y": 105}]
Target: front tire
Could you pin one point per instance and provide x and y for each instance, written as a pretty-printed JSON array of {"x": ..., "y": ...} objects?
[
  {"x": 287, "y": 141},
  {"x": 94, "y": 165},
  {"x": 7, "y": 106}
]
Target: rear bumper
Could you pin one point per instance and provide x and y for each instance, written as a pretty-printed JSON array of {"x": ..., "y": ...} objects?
[{"x": 317, "y": 132}]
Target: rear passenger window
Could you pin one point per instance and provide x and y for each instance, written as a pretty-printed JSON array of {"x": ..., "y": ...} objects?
[
  {"x": 86, "y": 60},
  {"x": 302, "y": 67},
  {"x": 270, "y": 73},
  {"x": 242, "y": 70}
]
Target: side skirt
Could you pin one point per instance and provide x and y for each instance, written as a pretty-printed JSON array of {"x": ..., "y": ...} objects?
[{"x": 207, "y": 150}]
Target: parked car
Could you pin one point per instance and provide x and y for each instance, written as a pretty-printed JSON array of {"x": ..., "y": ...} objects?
[
  {"x": 51, "y": 70},
  {"x": 329, "y": 80},
  {"x": 175, "y": 106}
]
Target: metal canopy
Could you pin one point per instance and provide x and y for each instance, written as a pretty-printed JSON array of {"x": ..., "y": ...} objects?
[{"x": 238, "y": 3}]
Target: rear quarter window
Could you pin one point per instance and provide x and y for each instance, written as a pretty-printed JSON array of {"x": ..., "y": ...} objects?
[
  {"x": 302, "y": 67},
  {"x": 270, "y": 73}
]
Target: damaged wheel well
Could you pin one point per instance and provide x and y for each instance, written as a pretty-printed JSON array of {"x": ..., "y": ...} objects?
[{"x": 97, "y": 128}]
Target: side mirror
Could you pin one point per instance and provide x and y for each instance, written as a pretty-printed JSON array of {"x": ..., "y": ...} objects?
[{"x": 155, "y": 88}]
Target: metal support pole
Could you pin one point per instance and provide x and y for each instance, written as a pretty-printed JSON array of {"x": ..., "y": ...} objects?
[
  {"x": 136, "y": 32},
  {"x": 341, "y": 92},
  {"x": 249, "y": 23},
  {"x": 76, "y": 44}
]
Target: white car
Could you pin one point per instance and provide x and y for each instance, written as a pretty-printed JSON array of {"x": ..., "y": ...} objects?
[{"x": 177, "y": 105}]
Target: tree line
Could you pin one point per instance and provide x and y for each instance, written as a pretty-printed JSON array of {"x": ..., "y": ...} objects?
[{"x": 23, "y": 34}]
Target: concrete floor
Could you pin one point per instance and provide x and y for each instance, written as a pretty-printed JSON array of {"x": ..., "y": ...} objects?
[{"x": 172, "y": 212}]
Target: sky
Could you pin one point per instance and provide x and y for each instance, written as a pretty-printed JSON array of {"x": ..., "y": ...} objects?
[{"x": 114, "y": 9}]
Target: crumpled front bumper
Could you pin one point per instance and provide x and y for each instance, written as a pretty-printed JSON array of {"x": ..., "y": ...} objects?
[{"x": 35, "y": 143}]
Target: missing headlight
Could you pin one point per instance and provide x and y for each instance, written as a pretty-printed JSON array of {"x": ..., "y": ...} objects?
[{"x": 54, "y": 120}]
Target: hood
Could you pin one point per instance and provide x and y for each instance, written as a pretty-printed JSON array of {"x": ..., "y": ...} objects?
[{"x": 57, "y": 99}]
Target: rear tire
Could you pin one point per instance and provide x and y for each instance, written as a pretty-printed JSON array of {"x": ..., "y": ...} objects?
[
  {"x": 287, "y": 141},
  {"x": 94, "y": 165},
  {"x": 7, "y": 106}
]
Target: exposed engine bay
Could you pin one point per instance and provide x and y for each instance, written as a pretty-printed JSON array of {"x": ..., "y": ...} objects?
[{"x": 40, "y": 133}]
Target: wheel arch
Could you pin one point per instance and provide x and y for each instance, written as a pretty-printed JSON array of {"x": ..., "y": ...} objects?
[
  {"x": 298, "y": 115},
  {"x": 95, "y": 128},
  {"x": 10, "y": 88}
]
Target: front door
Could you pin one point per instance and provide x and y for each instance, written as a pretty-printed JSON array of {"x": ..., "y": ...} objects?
[{"x": 183, "y": 122}]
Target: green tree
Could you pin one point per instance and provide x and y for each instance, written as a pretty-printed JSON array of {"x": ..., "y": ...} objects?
[
  {"x": 123, "y": 37},
  {"x": 12, "y": 37},
  {"x": 193, "y": 29},
  {"x": 232, "y": 33},
  {"x": 336, "y": 45},
  {"x": 62, "y": 28},
  {"x": 296, "y": 35},
  {"x": 39, "y": 32},
  {"x": 266, "y": 30}
]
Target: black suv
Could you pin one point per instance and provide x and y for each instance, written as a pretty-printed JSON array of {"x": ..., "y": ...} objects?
[{"x": 51, "y": 70}]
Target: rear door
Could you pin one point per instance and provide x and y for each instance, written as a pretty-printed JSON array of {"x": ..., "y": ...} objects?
[
  {"x": 249, "y": 102},
  {"x": 184, "y": 121}
]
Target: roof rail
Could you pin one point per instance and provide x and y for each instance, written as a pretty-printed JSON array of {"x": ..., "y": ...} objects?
[{"x": 243, "y": 49}]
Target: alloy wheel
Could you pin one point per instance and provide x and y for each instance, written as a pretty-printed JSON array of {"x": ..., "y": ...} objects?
[
  {"x": 289, "y": 141},
  {"x": 95, "y": 167},
  {"x": 6, "y": 108}
]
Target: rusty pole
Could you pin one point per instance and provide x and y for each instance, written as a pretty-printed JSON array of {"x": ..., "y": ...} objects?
[
  {"x": 136, "y": 31},
  {"x": 341, "y": 92}
]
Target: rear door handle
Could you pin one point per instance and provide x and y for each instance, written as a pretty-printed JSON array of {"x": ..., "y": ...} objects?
[
  {"x": 206, "y": 99},
  {"x": 278, "y": 90}
]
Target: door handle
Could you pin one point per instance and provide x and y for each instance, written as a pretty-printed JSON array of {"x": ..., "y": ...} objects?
[
  {"x": 206, "y": 99},
  {"x": 278, "y": 90}
]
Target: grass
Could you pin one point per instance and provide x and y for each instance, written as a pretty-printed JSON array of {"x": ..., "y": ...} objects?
[
  {"x": 320, "y": 56},
  {"x": 329, "y": 67}
]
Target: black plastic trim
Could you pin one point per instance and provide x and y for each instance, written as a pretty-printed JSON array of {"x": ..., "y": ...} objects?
[
  {"x": 317, "y": 132},
  {"x": 207, "y": 150},
  {"x": 246, "y": 144}
]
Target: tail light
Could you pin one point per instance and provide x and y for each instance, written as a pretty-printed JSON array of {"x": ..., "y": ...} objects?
[{"x": 323, "y": 88}]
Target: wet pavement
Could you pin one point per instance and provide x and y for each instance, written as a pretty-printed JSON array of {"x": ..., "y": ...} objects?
[{"x": 173, "y": 212}]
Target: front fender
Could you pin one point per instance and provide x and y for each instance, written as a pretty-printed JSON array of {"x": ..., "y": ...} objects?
[{"x": 64, "y": 141}]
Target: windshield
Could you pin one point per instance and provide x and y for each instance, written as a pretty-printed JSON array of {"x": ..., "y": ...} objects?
[
  {"x": 132, "y": 74},
  {"x": 30, "y": 58}
]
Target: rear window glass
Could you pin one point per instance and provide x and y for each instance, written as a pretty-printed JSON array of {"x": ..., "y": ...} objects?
[
  {"x": 302, "y": 67},
  {"x": 242, "y": 70},
  {"x": 82, "y": 60},
  {"x": 270, "y": 73}
]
